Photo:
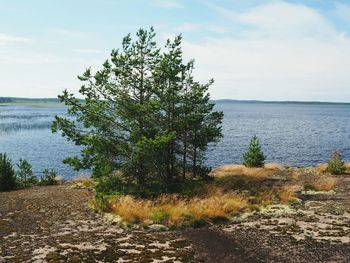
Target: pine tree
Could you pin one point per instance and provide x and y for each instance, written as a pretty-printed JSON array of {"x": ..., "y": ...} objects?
[
  {"x": 7, "y": 174},
  {"x": 116, "y": 118},
  {"x": 25, "y": 176},
  {"x": 254, "y": 157},
  {"x": 336, "y": 165},
  {"x": 142, "y": 114}
]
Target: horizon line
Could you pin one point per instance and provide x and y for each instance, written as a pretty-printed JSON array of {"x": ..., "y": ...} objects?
[{"x": 221, "y": 100}]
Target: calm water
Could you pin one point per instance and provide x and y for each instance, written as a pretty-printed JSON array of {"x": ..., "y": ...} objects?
[{"x": 291, "y": 134}]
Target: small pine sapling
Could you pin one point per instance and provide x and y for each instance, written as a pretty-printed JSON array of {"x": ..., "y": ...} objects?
[{"x": 254, "y": 157}]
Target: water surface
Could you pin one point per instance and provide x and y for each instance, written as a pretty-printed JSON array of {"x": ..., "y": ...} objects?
[{"x": 291, "y": 134}]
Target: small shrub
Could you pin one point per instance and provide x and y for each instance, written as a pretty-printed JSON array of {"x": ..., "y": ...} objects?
[
  {"x": 24, "y": 174},
  {"x": 159, "y": 215},
  {"x": 49, "y": 177},
  {"x": 7, "y": 174},
  {"x": 321, "y": 168},
  {"x": 287, "y": 193},
  {"x": 254, "y": 157},
  {"x": 324, "y": 184},
  {"x": 336, "y": 165}
]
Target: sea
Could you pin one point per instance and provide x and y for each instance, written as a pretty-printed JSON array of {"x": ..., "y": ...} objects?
[{"x": 291, "y": 133}]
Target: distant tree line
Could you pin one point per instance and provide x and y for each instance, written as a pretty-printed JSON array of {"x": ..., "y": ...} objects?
[
  {"x": 5, "y": 100},
  {"x": 143, "y": 115}
]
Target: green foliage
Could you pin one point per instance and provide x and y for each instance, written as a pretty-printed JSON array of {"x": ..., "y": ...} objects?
[
  {"x": 336, "y": 165},
  {"x": 48, "y": 177},
  {"x": 159, "y": 215},
  {"x": 114, "y": 184},
  {"x": 7, "y": 173},
  {"x": 254, "y": 157},
  {"x": 143, "y": 114},
  {"x": 24, "y": 174}
]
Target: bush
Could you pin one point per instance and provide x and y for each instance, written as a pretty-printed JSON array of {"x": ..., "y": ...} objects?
[
  {"x": 7, "y": 174},
  {"x": 254, "y": 157},
  {"x": 49, "y": 177},
  {"x": 24, "y": 174},
  {"x": 336, "y": 165}
]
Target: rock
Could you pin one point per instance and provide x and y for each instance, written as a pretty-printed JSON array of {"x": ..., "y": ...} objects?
[
  {"x": 59, "y": 179},
  {"x": 112, "y": 219},
  {"x": 241, "y": 218},
  {"x": 77, "y": 186},
  {"x": 318, "y": 192},
  {"x": 157, "y": 228}
]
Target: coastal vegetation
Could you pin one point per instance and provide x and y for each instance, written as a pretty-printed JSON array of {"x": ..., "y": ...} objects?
[
  {"x": 234, "y": 190},
  {"x": 254, "y": 157},
  {"x": 145, "y": 123},
  {"x": 23, "y": 176},
  {"x": 7, "y": 174},
  {"x": 336, "y": 165}
]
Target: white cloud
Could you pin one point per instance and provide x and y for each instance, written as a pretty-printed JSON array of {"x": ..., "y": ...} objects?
[
  {"x": 188, "y": 27},
  {"x": 287, "y": 51},
  {"x": 191, "y": 27},
  {"x": 168, "y": 4},
  {"x": 8, "y": 39},
  {"x": 279, "y": 17}
]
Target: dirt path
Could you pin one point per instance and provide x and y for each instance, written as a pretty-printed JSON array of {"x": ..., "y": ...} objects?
[{"x": 54, "y": 224}]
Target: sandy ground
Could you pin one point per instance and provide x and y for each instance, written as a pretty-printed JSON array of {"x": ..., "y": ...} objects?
[{"x": 54, "y": 224}]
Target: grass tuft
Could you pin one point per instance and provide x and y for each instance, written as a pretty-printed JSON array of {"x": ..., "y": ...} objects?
[{"x": 324, "y": 183}]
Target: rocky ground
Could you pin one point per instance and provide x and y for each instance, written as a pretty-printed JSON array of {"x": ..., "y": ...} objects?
[{"x": 54, "y": 224}]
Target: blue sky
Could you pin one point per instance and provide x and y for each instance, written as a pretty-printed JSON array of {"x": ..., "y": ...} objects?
[{"x": 269, "y": 50}]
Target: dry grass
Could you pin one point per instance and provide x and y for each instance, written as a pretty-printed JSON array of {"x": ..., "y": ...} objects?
[
  {"x": 287, "y": 193},
  {"x": 321, "y": 168},
  {"x": 176, "y": 210},
  {"x": 347, "y": 165},
  {"x": 324, "y": 183},
  {"x": 84, "y": 180},
  {"x": 273, "y": 166},
  {"x": 251, "y": 173},
  {"x": 235, "y": 188}
]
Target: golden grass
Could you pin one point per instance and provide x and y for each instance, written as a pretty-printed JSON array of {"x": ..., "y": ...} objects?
[
  {"x": 273, "y": 166},
  {"x": 324, "y": 183},
  {"x": 241, "y": 170},
  {"x": 175, "y": 210},
  {"x": 287, "y": 193},
  {"x": 84, "y": 180},
  {"x": 321, "y": 168},
  {"x": 235, "y": 189},
  {"x": 347, "y": 165}
]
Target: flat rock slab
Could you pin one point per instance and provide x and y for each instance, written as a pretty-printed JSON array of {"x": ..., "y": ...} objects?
[
  {"x": 318, "y": 230},
  {"x": 54, "y": 224}
]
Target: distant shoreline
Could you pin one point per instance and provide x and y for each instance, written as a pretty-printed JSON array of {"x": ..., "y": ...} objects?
[
  {"x": 282, "y": 102},
  {"x": 17, "y": 100}
]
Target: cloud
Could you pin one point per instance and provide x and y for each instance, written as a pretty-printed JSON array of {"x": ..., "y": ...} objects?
[
  {"x": 188, "y": 27},
  {"x": 191, "y": 27},
  {"x": 279, "y": 17},
  {"x": 168, "y": 4},
  {"x": 283, "y": 51},
  {"x": 8, "y": 39}
]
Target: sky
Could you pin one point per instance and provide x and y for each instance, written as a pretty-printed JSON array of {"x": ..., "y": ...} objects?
[{"x": 264, "y": 50}]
